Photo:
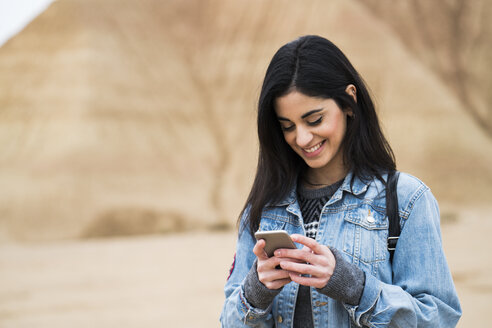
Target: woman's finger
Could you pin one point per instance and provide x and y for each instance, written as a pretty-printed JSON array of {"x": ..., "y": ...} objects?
[
  {"x": 273, "y": 274},
  {"x": 312, "y": 244},
  {"x": 300, "y": 268},
  {"x": 300, "y": 255},
  {"x": 271, "y": 277},
  {"x": 268, "y": 264},
  {"x": 308, "y": 281},
  {"x": 259, "y": 250},
  {"x": 324, "y": 270},
  {"x": 276, "y": 284},
  {"x": 307, "y": 249}
]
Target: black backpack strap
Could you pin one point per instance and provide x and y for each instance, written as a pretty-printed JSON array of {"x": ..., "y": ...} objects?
[{"x": 392, "y": 212}]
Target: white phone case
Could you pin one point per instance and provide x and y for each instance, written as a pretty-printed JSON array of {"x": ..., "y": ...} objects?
[{"x": 274, "y": 240}]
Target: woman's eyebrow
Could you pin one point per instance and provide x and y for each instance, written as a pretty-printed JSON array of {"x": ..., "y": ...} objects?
[{"x": 311, "y": 112}]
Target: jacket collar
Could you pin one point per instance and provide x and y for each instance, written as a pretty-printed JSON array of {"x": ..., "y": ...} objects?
[{"x": 359, "y": 187}]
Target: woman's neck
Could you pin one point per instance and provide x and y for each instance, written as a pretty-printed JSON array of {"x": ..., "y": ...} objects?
[{"x": 318, "y": 178}]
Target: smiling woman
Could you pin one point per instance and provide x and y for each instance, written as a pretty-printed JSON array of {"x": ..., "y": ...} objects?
[
  {"x": 322, "y": 176},
  {"x": 314, "y": 128}
]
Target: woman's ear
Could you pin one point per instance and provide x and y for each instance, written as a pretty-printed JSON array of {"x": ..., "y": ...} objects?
[{"x": 351, "y": 91}]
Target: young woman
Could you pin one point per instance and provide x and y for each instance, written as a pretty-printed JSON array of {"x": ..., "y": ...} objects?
[{"x": 321, "y": 176}]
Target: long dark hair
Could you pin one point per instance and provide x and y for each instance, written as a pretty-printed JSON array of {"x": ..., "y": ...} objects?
[{"x": 315, "y": 67}]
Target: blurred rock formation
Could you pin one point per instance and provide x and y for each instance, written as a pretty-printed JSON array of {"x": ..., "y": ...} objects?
[
  {"x": 454, "y": 39},
  {"x": 124, "y": 117}
]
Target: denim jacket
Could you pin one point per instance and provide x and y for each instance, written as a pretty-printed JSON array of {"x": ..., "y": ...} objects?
[{"x": 416, "y": 290}]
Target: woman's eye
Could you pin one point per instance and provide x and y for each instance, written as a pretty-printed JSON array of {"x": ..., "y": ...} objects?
[
  {"x": 318, "y": 121},
  {"x": 287, "y": 128}
]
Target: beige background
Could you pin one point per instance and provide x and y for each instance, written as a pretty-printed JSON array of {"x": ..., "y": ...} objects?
[{"x": 128, "y": 146}]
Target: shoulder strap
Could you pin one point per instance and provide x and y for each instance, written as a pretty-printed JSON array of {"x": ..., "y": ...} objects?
[{"x": 392, "y": 212}]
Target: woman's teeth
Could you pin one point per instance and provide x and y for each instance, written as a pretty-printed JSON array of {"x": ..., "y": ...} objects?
[{"x": 313, "y": 149}]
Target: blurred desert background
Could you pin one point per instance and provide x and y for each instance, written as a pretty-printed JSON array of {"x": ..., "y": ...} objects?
[{"x": 128, "y": 145}]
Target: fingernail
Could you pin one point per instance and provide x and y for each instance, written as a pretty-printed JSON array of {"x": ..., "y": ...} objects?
[{"x": 277, "y": 253}]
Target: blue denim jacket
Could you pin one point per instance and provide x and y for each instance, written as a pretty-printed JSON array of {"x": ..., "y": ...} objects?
[{"x": 416, "y": 291}]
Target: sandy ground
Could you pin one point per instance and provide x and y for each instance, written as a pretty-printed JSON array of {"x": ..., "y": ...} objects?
[
  {"x": 171, "y": 281},
  {"x": 177, "y": 280}
]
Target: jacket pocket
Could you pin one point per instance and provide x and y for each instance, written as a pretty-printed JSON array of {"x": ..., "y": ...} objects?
[{"x": 365, "y": 235}]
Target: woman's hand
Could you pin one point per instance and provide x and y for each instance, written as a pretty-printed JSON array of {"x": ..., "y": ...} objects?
[
  {"x": 269, "y": 276},
  {"x": 313, "y": 259}
]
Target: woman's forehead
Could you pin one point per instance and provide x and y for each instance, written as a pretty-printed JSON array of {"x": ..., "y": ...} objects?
[{"x": 298, "y": 104}]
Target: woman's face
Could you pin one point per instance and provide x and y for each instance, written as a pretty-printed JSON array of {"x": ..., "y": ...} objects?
[{"x": 314, "y": 128}]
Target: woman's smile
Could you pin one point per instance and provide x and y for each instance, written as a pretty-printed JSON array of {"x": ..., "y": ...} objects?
[{"x": 315, "y": 150}]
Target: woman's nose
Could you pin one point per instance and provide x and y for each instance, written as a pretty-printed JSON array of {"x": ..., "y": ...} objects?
[{"x": 303, "y": 137}]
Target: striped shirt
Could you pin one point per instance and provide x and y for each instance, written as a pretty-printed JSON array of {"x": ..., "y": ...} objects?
[{"x": 311, "y": 202}]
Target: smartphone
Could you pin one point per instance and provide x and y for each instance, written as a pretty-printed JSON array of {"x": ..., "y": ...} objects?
[{"x": 274, "y": 240}]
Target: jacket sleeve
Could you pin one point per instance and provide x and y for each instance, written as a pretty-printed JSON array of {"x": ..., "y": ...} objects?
[
  {"x": 422, "y": 293},
  {"x": 237, "y": 312}
]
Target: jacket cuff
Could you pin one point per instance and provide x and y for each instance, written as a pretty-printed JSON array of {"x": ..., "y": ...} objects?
[
  {"x": 347, "y": 282},
  {"x": 257, "y": 294}
]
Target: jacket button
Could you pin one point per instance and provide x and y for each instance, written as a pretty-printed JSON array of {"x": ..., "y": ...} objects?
[{"x": 280, "y": 319}]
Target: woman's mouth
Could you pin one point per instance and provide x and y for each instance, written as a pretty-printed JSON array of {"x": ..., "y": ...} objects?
[{"x": 313, "y": 151}]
